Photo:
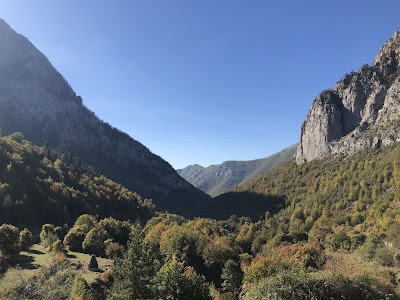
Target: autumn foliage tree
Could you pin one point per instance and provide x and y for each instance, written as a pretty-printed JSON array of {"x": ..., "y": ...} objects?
[{"x": 9, "y": 242}]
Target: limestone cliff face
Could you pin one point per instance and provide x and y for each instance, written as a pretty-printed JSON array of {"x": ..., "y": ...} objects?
[
  {"x": 361, "y": 110},
  {"x": 37, "y": 101}
]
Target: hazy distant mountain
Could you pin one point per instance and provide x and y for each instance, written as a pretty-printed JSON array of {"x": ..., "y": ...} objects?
[
  {"x": 218, "y": 179},
  {"x": 37, "y": 101},
  {"x": 362, "y": 110}
]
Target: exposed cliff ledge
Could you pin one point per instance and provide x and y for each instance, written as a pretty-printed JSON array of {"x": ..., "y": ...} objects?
[{"x": 361, "y": 110}]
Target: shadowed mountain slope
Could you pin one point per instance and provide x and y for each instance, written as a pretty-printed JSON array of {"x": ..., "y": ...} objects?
[{"x": 36, "y": 100}]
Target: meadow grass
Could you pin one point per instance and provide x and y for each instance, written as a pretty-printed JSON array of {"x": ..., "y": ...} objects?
[{"x": 29, "y": 263}]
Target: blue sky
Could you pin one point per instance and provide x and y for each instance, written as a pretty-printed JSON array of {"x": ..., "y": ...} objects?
[{"x": 209, "y": 80}]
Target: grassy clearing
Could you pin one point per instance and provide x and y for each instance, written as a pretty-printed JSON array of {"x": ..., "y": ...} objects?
[
  {"x": 90, "y": 276},
  {"x": 29, "y": 263}
]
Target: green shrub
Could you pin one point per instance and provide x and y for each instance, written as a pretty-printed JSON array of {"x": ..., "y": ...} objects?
[
  {"x": 80, "y": 289},
  {"x": 114, "y": 250},
  {"x": 86, "y": 223},
  {"x": 48, "y": 236},
  {"x": 25, "y": 239},
  {"x": 57, "y": 246},
  {"x": 74, "y": 239},
  {"x": 385, "y": 256},
  {"x": 94, "y": 241}
]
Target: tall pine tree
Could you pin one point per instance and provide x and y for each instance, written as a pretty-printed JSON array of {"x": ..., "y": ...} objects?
[{"x": 134, "y": 273}]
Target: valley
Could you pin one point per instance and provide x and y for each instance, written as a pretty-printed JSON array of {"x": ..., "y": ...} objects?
[{"x": 318, "y": 220}]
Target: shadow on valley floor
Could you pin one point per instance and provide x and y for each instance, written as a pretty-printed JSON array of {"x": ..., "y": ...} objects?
[
  {"x": 247, "y": 204},
  {"x": 22, "y": 261},
  {"x": 26, "y": 262},
  {"x": 3, "y": 269},
  {"x": 70, "y": 255},
  {"x": 37, "y": 252}
]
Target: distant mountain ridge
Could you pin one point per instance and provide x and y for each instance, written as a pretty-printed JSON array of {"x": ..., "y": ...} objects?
[
  {"x": 36, "y": 100},
  {"x": 362, "y": 110},
  {"x": 218, "y": 179}
]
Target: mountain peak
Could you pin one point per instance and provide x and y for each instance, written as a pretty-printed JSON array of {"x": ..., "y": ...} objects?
[
  {"x": 4, "y": 25},
  {"x": 7, "y": 34},
  {"x": 390, "y": 51},
  {"x": 36, "y": 100},
  {"x": 367, "y": 99}
]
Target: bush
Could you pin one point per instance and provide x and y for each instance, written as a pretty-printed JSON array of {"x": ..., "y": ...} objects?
[
  {"x": 25, "y": 239},
  {"x": 94, "y": 241},
  {"x": 340, "y": 240},
  {"x": 396, "y": 259},
  {"x": 9, "y": 241},
  {"x": 57, "y": 246},
  {"x": 117, "y": 230},
  {"x": 80, "y": 289},
  {"x": 48, "y": 236},
  {"x": 74, "y": 239},
  {"x": 114, "y": 250},
  {"x": 86, "y": 222},
  {"x": 384, "y": 256},
  {"x": 308, "y": 255},
  {"x": 263, "y": 266},
  {"x": 107, "y": 277}
]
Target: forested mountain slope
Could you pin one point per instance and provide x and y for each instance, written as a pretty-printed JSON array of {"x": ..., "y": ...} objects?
[
  {"x": 363, "y": 189},
  {"x": 39, "y": 186},
  {"x": 36, "y": 100},
  {"x": 218, "y": 179}
]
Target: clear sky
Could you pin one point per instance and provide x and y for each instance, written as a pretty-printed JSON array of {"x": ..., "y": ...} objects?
[{"x": 204, "y": 81}]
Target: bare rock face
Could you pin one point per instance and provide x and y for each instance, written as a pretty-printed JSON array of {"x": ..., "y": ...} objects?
[
  {"x": 361, "y": 110},
  {"x": 37, "y": 101},
  {"x": 323, "y": 125}
]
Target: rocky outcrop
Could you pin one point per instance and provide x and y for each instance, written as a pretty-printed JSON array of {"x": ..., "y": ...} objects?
[
  {"x": 37, "y": 101},
  {"x": 361, "y": 110}
]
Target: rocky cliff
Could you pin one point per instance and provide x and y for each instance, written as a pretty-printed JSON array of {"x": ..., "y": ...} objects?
[
  {"x": 218, "y": 179},
  {"x": 361, "y": 110},
  {"x": 37, "y": 101}
]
